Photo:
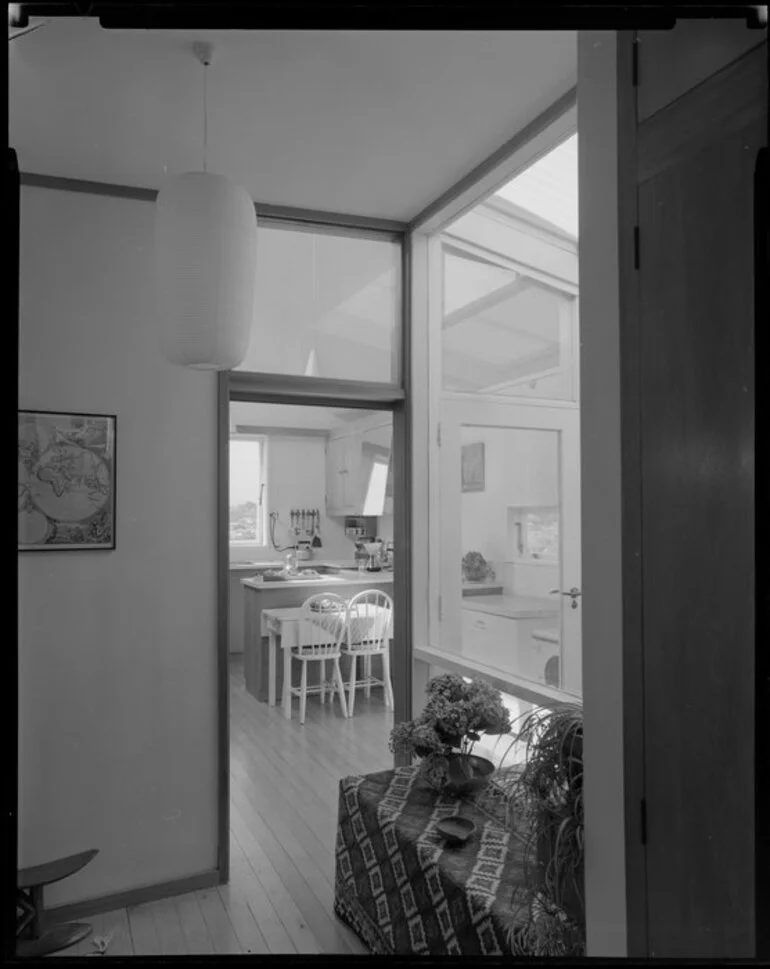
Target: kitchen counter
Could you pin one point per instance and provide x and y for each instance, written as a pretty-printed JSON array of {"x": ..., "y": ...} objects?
[
  {"x": 344, "y": 578},
  {"x": 278, "y": 563},
  {"x": 513, "y": 607}
]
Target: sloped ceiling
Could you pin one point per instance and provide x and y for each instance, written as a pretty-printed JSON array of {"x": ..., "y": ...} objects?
[{"x": 371, "y": 123}]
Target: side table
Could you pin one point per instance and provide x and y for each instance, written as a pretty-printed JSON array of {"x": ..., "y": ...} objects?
[{"x": 403, "y": 890}]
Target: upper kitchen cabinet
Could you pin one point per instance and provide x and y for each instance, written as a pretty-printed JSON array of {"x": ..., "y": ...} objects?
[
  {"x": 358, "y": 469},
  {"x": 342, "y": 460}
]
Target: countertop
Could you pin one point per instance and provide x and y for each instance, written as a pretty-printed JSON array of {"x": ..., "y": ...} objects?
[
  {"x": 513, "y": 607},
  {"x": 346, "y": 577},
  {"x": 278, "y": 563}
]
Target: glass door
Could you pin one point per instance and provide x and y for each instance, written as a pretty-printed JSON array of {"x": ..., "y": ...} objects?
[{"x": 510, "y": 543}]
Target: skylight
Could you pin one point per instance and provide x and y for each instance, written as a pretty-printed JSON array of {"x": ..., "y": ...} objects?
[{"x": 549, "y": 188}]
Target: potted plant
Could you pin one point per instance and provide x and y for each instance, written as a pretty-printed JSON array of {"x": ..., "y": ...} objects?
[
  {"x": 455, "y": 716},
  {"x": 475, "y": 568},
  {"x": 548, "y": 793}
]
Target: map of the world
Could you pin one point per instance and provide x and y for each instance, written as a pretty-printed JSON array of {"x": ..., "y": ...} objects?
[{"x": 66, "y": 492}]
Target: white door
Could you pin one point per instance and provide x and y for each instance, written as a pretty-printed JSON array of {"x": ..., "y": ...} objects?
[{"x": 510, "y": 541}]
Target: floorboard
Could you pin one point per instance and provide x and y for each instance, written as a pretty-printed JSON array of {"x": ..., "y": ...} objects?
[
  {"x": 143, "y": 932},
  {"x": 284, "y": 783},
  {"x": 168, "y": 928}
]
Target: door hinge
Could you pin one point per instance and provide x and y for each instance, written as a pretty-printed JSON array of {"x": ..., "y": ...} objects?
[
  {"x": 438, "y": 434},
  {"x": 636, "y": 247},
  {"x": 643, "y": 819},
  {"x": 635, "y": 63}
]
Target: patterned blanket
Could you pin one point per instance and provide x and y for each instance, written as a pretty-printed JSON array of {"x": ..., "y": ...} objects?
[{"x": 403, "y": 890}]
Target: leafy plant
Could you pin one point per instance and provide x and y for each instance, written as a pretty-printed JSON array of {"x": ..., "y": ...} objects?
[
  {"x": 454, "y": 718},
  {"x": 475, "y": 567},
  {"x": 549, "y": 919}
]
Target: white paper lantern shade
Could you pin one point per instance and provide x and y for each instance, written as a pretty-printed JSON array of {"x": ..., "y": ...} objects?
[{"x": 206, "y": 264}]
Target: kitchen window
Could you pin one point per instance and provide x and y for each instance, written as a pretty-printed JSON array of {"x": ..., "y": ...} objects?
[{"x": 248, "y": 487}]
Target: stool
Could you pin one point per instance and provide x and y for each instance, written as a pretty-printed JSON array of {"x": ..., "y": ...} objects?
[{"x": 32, "y": 939}]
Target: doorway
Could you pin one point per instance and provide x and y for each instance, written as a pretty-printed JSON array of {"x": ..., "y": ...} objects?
[{"x": 283, "y": 775}]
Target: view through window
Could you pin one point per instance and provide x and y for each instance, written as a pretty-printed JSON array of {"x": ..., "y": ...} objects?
[{"x": 247, "y": 489}]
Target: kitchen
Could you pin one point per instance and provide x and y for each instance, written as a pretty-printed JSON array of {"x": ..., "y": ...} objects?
[{"x": 311, "y": 512}]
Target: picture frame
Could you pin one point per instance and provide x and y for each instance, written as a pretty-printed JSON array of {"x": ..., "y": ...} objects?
[
  {"x": 66, "y": 481},
  {"x": 472, "y": 466}
]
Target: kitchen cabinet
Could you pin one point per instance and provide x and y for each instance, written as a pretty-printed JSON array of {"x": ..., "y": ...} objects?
[
  {"x": 342, "y": 468},
  {"x": 489, "y": 639},
  {"x": 519, "y": 645},
  {"x": 236, "y": 631},
  {"x": 350, "y": 458}
]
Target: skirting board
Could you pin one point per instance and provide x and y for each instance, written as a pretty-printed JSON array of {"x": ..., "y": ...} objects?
[{"x": 135, "y": 896}]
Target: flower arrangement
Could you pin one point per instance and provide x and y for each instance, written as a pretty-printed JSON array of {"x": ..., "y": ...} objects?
[{"x": 455, "y": 716}]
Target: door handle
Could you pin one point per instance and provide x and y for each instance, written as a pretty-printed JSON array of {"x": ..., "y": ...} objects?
[{"x": 574, "y": 593}]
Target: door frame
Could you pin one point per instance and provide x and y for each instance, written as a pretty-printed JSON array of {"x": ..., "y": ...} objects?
[
  {"x": 319, "y": 392},
  {"x": 611, "y": 689}
]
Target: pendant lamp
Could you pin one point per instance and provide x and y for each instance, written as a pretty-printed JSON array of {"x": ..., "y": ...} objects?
[{"x": 206, "y": 262}]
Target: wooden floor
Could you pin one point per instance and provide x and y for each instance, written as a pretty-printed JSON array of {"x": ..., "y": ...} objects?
[{"x": 284, "y": 779}]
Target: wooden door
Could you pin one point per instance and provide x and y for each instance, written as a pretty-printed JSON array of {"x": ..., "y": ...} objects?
[{"x": 696, "y": 161}]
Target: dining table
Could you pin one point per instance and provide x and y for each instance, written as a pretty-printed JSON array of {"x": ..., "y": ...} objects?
[{"x": 281, "y": 626}]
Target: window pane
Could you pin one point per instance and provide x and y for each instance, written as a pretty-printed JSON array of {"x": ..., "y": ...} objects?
[
  {"x": 505, "y": 333},
  {"x": 245, "y": 491},
  {"x": 326, "y": 305},
  {"x": 511, "y": 561},
  {"x": 510, "y": 272}
]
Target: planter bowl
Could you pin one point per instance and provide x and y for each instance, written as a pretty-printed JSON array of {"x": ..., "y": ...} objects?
[{"x": 468, "y": 774}]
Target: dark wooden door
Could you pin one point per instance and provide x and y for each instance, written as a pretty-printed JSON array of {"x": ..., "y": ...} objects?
[{"x": 696, "y": 161}]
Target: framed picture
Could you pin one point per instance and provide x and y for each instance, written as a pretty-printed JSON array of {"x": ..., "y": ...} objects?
[
  {"x": 66, "y": 493},
  {"x": 472, "y": 463}
]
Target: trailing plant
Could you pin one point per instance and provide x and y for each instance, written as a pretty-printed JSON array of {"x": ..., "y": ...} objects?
[{"x": 547, "y": 796}]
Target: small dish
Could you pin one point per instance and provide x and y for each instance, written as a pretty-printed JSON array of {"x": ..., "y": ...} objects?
[{"x": 456, "y": 830}]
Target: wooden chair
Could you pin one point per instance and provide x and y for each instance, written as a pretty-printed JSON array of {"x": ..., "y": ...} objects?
[
  {"x": 32, "y": 937},
  {"x": 368, "y": 634},
  {"x": 321, "y": 628}
]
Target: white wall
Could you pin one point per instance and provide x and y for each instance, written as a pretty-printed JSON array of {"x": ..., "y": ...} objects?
[
  {"x": 601, "y": 495},
  {"x": 117, "y": 650}
]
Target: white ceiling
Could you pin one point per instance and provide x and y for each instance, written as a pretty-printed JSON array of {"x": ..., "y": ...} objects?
[{"x": 375, "y": 123}]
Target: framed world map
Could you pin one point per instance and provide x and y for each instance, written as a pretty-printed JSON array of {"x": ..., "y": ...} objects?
[{"x": 66, "y": 493}]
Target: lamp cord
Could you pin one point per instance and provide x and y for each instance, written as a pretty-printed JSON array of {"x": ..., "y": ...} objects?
[{"x": 205, "y": 120}]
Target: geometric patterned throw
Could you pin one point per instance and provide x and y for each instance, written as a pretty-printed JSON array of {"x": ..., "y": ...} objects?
[{"x": 402, "y": 889}]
